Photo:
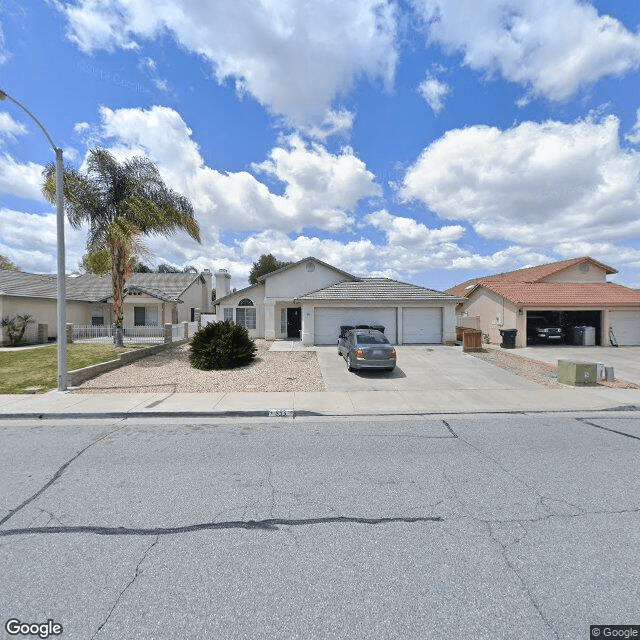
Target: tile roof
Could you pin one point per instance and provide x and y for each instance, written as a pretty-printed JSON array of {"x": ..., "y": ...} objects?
[
  {"x": 528, "y": 274},
  {"x": 92, "y": 288},
  {"x": 557, "y": 294},
  {"x": 372, "y": 289}
]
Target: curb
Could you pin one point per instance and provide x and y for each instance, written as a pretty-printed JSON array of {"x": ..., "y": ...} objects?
[{"x": 290, "y": 413}]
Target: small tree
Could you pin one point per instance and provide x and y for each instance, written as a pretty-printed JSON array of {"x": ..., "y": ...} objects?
[
  {"x": 266, "y": 263},
  {"x": 16, "y": 327},
  {"x": 7, "y": 265},
  {"x": 222, "y": 345}
]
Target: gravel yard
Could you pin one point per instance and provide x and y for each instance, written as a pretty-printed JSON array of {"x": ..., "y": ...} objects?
[
  {"x": 534, "y": 370},
  {"x": 170, "y": 371}
]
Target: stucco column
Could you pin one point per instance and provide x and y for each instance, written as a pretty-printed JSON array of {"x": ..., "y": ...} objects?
[
  {"x": 269, "y": 319},
  {"x": 399, "y": 330},
  {"x": 448, "y": 324},
  {"x": 308, "y": 312}
]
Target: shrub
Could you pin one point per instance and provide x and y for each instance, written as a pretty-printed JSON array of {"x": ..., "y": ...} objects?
[
  {"x": 16, "y": 327},
  {"x": 223, "y": 345}
]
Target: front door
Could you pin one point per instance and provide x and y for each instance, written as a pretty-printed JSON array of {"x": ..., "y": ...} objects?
[{"x": 294, "y": 323}]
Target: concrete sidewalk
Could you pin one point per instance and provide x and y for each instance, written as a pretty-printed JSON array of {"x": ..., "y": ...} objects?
[{"x": 55, "y": 404}]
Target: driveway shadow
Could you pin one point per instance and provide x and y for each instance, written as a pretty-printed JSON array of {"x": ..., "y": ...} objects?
[{"x": 372, "y": 374}]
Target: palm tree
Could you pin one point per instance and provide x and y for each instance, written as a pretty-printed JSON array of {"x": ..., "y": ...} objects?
[{"x": 120, "y": 202}]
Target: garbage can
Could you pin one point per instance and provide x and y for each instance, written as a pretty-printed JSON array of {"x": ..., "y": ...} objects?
[
  {"x": 508, "y": 338},
  {"x": 589, "y": 337},
  {"x": 577, "y": 335}
]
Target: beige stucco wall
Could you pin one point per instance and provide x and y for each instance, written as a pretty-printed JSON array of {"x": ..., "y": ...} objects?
[
  {"x": 298, "y": 281},
  {"x": 495, "y": 313},
  {"x": 45, "y": 311},
  {"x": 594, "y": 274}
]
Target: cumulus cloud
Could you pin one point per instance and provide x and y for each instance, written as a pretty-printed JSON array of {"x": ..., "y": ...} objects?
[
  {"x": 320, "y": 189},
  {"x": 10, "y": 128},
  {"x": 551, "y": 47},
  {"x": 533, "y": 183},
  {"x": 293, "y": 57},
  {"x": 21, "y": 180},
  {"x": 434, "y": 92},
  {"x": 29, "y": 240},
  {"x": 406, "y": 232}
]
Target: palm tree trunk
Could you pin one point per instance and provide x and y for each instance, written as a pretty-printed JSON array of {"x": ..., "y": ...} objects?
[{"x": 117, "y": 280}]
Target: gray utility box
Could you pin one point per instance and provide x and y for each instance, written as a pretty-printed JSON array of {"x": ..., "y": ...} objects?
[{"x": 577, "y": 373}]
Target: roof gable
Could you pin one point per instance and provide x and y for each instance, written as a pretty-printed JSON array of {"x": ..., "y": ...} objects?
[{"x": 528, "y": 274}]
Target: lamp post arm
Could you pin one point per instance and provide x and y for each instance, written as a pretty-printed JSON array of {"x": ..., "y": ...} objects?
[{"x": 4, "y": 94}]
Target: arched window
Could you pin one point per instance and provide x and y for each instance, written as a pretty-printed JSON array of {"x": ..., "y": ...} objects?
[{"x": 246, "y": 314}]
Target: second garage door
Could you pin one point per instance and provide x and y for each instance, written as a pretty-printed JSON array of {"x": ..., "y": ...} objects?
[
  {"x": 422, "y": 325},
  {"x": 625, "y": 326},
  {"x": 327, "y": 321}
]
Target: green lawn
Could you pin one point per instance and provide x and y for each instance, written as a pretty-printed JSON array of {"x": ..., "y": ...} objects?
[{"x": 39, "y": 367}]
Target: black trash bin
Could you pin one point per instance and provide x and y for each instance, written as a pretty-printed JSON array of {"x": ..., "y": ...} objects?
[{"x": 508, "y": 338}]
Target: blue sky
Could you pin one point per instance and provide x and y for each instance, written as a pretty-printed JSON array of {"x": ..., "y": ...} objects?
[{"x": 425, "y": 140}]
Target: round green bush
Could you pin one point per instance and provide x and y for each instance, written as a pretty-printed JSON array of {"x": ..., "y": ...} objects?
[{"x": 222, "y": 345}]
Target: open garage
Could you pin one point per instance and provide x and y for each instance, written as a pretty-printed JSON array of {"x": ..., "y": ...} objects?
[{"x": 569, "y": 321}]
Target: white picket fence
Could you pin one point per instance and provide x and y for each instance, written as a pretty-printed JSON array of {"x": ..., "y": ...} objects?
[{"x": 103, "y": 334}]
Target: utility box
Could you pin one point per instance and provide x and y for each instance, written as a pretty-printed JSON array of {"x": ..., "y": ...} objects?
[
  {"x": 472, "y": 340},
  {"x": 577, "y": 373}
]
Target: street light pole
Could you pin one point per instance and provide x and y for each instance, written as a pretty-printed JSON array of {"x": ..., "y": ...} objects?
[{"x": 61, "y": 292}]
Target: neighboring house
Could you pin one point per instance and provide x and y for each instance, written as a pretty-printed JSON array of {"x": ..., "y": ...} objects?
[
  {"x": 151, "y": 298},
  {"x": 310, "y": 299},
  {"x": 568, "y": 293}
]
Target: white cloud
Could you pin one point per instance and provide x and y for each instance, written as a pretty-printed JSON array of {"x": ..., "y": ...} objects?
[
  {"x": 335, "y": 123},
  {"x": 320, "y": 189},
  {"x": 407, "y": 233},
  {"x": 634, "y": 135},
  {"x": 21, "y": 180},
  {"x": 293, "y": 57},
  {"x": 551, "y": 47},
  {"x": 29, "y": 240},
  {"x": 10, "y": 128},
  {"x": 434, "y": 92},
  {"x": 533, "y": 184}
]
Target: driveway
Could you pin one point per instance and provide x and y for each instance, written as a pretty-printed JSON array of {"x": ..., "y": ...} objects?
[
  {"x": 624, "y": 360},
  {"x": 422, "y": 369}
]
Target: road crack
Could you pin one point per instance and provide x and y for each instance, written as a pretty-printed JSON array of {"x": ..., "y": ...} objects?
[
  {"x": 56, "y": 476},
  {"x": 135, "y": 577}
]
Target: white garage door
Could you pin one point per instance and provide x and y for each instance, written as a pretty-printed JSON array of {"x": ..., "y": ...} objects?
[
  {"x": 327, "y": 321},
  {"x": 422, "y": 325},
  {"x": 626, "y": 326}
]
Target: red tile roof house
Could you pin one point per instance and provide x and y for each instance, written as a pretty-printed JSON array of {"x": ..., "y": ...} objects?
[{"x": 569, "y": 293}]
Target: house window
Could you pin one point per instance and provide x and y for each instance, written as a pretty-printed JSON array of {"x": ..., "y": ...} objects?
[
  {"x": 139, "y": 315},
  {"x": 227, "y": 314},
  {"x": 246, "y": 314},
  {"x": 283, "y": 321},
  {"x": 193, "y": 314}
]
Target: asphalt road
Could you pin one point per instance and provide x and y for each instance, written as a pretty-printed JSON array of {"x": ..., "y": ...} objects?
[{"x": 505, "y": 526}]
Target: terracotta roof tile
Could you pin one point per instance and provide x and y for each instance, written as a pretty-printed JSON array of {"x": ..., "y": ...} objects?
[
  {"x": 601, "y": 294},
  {"x": 528, "y": 274}
]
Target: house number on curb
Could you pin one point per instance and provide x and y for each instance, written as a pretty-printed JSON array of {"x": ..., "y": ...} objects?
[{"x": 276, "y": 413}]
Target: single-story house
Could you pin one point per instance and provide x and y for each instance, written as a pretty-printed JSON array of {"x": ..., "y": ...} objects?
[
  {"x": 568, "y": 293},
  {"x": 309, "y": 300},
  {"x": 150, "y": 298}
]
